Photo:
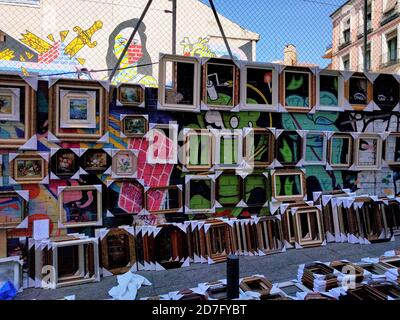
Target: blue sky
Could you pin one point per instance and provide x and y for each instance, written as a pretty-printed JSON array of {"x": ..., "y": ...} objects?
[{"x": 304, "y": 23}]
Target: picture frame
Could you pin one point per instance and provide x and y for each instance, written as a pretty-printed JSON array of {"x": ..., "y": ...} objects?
[
  {"x": 134, "y": 126},
  {"x": 164, "y": 200},
  {"x": 340, "y": 151},
  {"x": 270, "y": 235},
  {"x": 221, "y": 84},
  {"x": 28, "y": 168},
  {"x": 256, "y": 284},
  {"x": 11, "y": 270},
  {"x": 259, "y": 87},
  {"x": 229, "y": 189},
  {"x": 13, "y": 209},
  {"x": 219, "y": 240},
  {"x": 130, "y": 94},
  {"x": 202, "y": 202},
  {"x": 365, "y": 157},
  {"x": 297, "y": 89},
  {"x": 21, "y": 117},
  {"x": 386, "y": 92},
  {"x": 95, "y": 161},
  {"x": 309, "y": 220},
  {"x": 296, "y": 179},
  {"x": 94, "y": 122},
  {"x": 179, "y": 83},
  {"x": 198, "y": 155},
  {"x": 392, "y": 149},
  {"x": 259, "y": 147},
  {"x": 124, "y": 164},
  {"x": 292, "y": 140},
  {"x": 330, "y": 91},
  {"x": 64, "y": 163},
  {"x": 73, "y": 214},
  {"x": 228, "y": 149},
  {"x": 289, "y": 225},
  {"x": 358, "y": 91},
  {"x": 315, "y": 144},
  {"x": 256, "y": 190},
  {"x": 163, "y": 143}
]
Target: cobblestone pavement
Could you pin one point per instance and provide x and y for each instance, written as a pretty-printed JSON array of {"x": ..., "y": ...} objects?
[{"x": 277, "y": 268}]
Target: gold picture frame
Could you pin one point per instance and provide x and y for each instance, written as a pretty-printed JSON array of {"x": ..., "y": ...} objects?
[
  {"x": 28, "y": 168},
  {"x": 130, "y": 95},
  {"x": 288, "y": 173}
]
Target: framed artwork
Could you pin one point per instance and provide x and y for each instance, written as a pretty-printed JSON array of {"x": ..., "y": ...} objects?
[
  {"x": 358, "y": 91},
  {"x": 79, "y": 206},
  {"x": 200, "y": 195},
  {"x": 259, "y": 148},
  {"x": 309, "y": 227},
  {"x": 12, "y": 209},
  {"x": 288, "y": 185},
  {"x": 17, "y": 111},
  {"x": 392, "y": 149},
  {"x": 330, "y": 91},
  {"x": 28, "y": 168},
  {"x": 256, "y": 190},
  {"x": 259, "y": 87},
  {"x": 228, "y": 149},
  {"x": 95, "y": 161},
  {"x": 368, "y": 152},
  {"x": 297, "y": 89},
  {"x": 340, "y": 148},
  {"x": 130, "y": 95},
  {"x": 314, "y": 148},
  {"x": 386, "y": 90},
  {"x": 124, "y": 164},
  {"x": 163, "y": 143},
  {"x": 162, "y": 200},
  {"x": 135, "y": 126},
  {"x": 65, "y": 163},
  {"x": 229, "y": 189},
  {"x": 289, "y": 150},
  {"x": 78, "y": 109},
  {"x": 220, "y": 84},
  {"x": 198, "y": 151},
  {"x": 179, "y": 83}
]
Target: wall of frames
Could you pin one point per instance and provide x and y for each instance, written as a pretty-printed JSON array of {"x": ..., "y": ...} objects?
[{"x": 219, "y": 138}]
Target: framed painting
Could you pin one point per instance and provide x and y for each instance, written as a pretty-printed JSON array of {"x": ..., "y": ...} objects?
[
  {"x": 65, "y": 163},
  {"x": 78, "y": 109},
  {"x": 297, "y": 89},
  {"x": 259, "y": 87},
  {"x": 330, "y": 91},
  {"x": 386, "y": 91},
  {"x": 288, "y": 185},
  {"x": 135, "y": 126},
  {"x": 198, "y": 151},
  {"x": 200, "y": 195},
  {"x": 340, "y": 151},
  {"x": 358, "y": 91},
  {"x": 95, "y": 161},
  {"x": 124, "y": 164},
  {"x": 130, "y": 95},
  {"x": 12, "y": 209},
  {"x": 368, "y": 152},
  {"x": 220, "y": 84},
  {"x": 162, "y": 200},
  {"x": 28, "y": 168},
  {"x": 259, "y": 148},
  {"x": 289, "y": 148},
  {"x": 315, "y": 148},
  {"x": 179, "y": 83},
  {"x": 79, "y": 206},
  {"x": 17, "y": 111},
  {"x": 228, "y": 149}
]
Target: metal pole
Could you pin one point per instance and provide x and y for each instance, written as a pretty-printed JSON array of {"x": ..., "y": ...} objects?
[
  {"x": 365, "y": 35},
  {"x": 130, "y": 40},
  {"x": 232, "y": 277},
  {"x": 221, "y": 29},
  {"x": 174, "y": 20}
]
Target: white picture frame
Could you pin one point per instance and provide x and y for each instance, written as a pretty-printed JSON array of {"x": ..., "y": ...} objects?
[
  {"x": 235, "y": 135},
  {"x": 70, "y": 97},
  {"x": 378, "y": 154}
]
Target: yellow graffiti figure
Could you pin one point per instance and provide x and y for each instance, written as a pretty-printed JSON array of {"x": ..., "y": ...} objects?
[
  {"x": 7, "y": 54},
  {"x": 83, "y": 38},
  {"x": 197, "y": 49},
  {"x": 36, "y": 43}
]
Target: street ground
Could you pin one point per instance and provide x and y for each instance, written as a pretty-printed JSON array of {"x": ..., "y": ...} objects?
[{"x": 277, "y": 268}]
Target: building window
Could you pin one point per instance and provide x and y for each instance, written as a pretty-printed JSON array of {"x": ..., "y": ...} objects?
[
  {"x": 346, "y": 63},
  {"x": 390, "y": 11},
  {"x": 392, "y": 50},
  {"x": 346, "y": 31},
  {"x": 368, "y": 57}
]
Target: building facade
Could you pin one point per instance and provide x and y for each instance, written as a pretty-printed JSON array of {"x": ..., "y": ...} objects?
[
  {"x": 382, "y": 54},
  {"x": 53, "y": 36}
]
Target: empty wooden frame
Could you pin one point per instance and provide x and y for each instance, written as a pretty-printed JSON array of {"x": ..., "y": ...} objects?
[
  {"x": 198, "y": 150},
  {"x": 162, "y": 200},
  {"x": 289, "y": 148},
  {"x": 256, "y": 190},
  {"x": 270, "y": 236},
  {"x": 200, "y": 195},
  {"x": 256, "y": 284},
  {"x": 392, "y": 149},
  {"x": 259, "y": 148},
  {"x": 288, "y": 185},
  {"x": 179, "y": 83},
  {"x": 12, "y": 209},
  {"x": 17, "y": 111},
  {"x": 219, "y": 240},
  {"x": 368, "y": 152},
  {"x": 340, "y": 151},
  {"x": 229, "y": 189},
  {"x": 78, "y": 109},
  {"x": 228, "y": 149},
  {"x": 309, "y": 227},
  {"x": 358, "y": 91},
  {"x": 314, "y": 148},
  {"x": 386, "y": 92},
  {"x": 330, "y": 91}
]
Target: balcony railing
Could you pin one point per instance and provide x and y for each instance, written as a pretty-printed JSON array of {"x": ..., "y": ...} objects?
[
  {"x": 344, "y": 42},
  {"x": 390, "y": 16},
  {"x": 389, "y": 59}
]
